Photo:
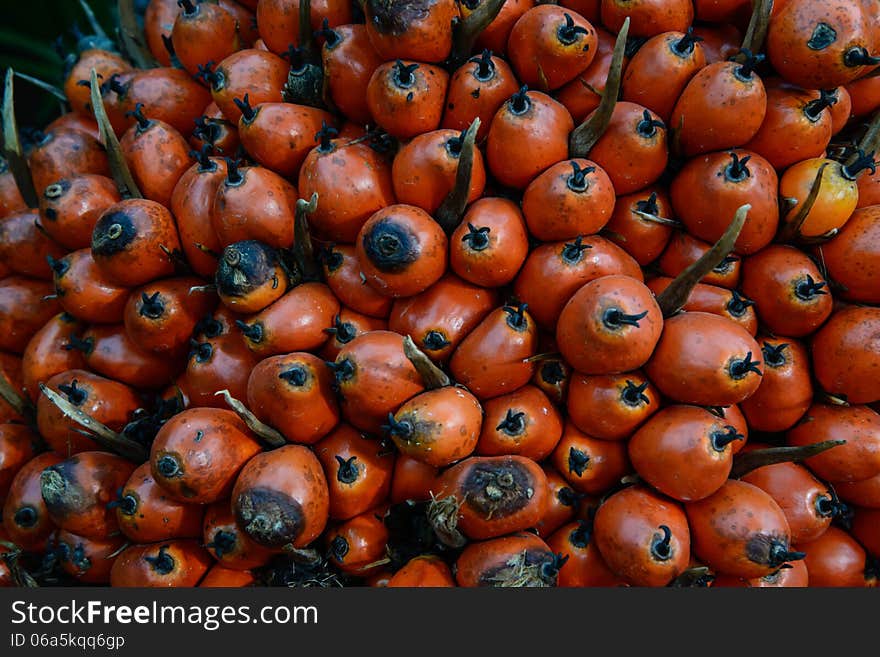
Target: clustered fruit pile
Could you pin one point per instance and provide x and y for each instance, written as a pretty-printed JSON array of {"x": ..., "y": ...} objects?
[{"x": 448, "y": 293}]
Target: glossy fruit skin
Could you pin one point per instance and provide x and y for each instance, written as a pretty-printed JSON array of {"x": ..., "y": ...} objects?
[
  {"x": 347, "y": 325},
  {"x": 795, "y": 577},
  {"x": 642, "y": 239},
  {"x": 287, "y": 484},
  {"x": 111, "y": 353},
  {"x": 157, "y": 156},
  {"x": 864, "y": 530},
  {"x": 293, "y": 392},
  {"x": 589, "y": 465},
  {"x": 143, "y": 566},
  {"x": 836, "y": 559},
  {"x": 205, "y": 34},
  {"x": 852, "y": 257},
  {"x": 352, "y": 182},
  {"x": 256, "y": 73},
  {"x": 728, "y": 180},
  {"x": 23, "y": 310},
  {"x": 714, "y": 299},
  {"x": 428, "y": 571},
  {"x": 78, "y": 489},
  {"x": 228, "y": 544},
  {"x": 295, "y": 322},
  {"x": 684, "y": 452},
  {"x": 17, "y": 444},
  {"x": 497, "y": 33},
  {"x": 786, "y": 389},
  {"x": 402, "y": 250},
  {"x": 280, "y": 135},
  {"x": 88, "y": 560},
  {"x": 342, "y": 272},
  {"x": 628, "y": 526},
  {"x": 86, "y": 292},
  {"x": 788, "y": 290},
  {"x": 61, "y": 153},
  {"x": 633, "y": 149},
  {"x": 659, "y": 71},
  {"x": 856, "y": 460},
  {"x": 806, "y": 502},
  {"x": 524, "y": 422},
  {"x": 585, "y": 566},
  {"x": 492, "y": 358},
  {"x": 127, "y": 238},
  {"x": 278, "y": 20},
  {"x": 407, "y": 101},
  {"x": 610, "y": 325},
  {"x": 490, "y": 244},
  {"x": 649, "y": 17},
  {"x": 357, "y": 543},
  {"x": 106, "y": 400},
  {"x": 424, "y": 169},
  {"x": 791, "y": 112},
  {"x": 837, "y": 199},
  {"x": 25, "y": 516},
  {"x": 611, "y": 406},
  {"x": 162, "y": 316},
  {"x": 498, "y": 562},
  {"x": 439, "y": 426},
  {"x": 104, "y": 62},
  {"x": 349, "y": 59},
  {"x": 682, "y": 250},
  {"x": 548, "y": 46},
  {"x": 705, "y": 127},
  {"x": 373, "y": 378},
  {"x": 49, "y": 353},
  {"x": 440, "y": 317},
  {"x": 477, "y": 89},
  {"x": 555, "y": 271},
  {"x": 198, "y": 454},
  {"x": 562, "y": 503},
  {"x": 705, "y": 359},
  {"x": 807, "y": 55},
  {"x": 220, "y": 577},
  {"x": 569, "y": 199},
  {"x": 168, "y": 94},
  {"x": 359, "y": 471},
  {"x": 529, "y": 122},
  {"x": 475, "y": 484},
  {"x": 583, "y": 94},
  {"x": 70, "y": 207},
  {"x": 146, "y": 514},
  {"x": 846, "y": 354},
  {"x": 24, "y": 248},
  {"x": 865, "y": 493},
  {"x": 740, "y": 530},
  {"x": 254, "y": 203}
]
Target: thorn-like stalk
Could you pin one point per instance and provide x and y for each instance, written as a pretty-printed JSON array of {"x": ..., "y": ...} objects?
[
  {"x": 99, "y": 432},
  {"x": 303, "y": 248},
  {"x": 791, "y": 229},
  {"x": 677, "y": 292},
  {"x": 118, "y": 166},
  {"x": 744, "y": 462},
  {"x": 585, "y": 136},
  {"x": 756, "y": 33},
  {"x": 269, "y": 435},
  {"x": 432, "y": 376},
  {"x": 12, "y": 149},
  {"x": 466, "y": 31},
  {"x": 452, "y": 209}
]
